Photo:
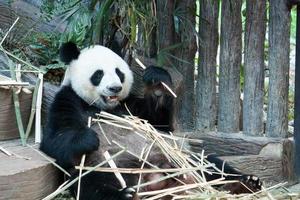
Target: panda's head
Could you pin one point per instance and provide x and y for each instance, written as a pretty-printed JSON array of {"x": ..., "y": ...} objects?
[{"x": 97, "y": 74}]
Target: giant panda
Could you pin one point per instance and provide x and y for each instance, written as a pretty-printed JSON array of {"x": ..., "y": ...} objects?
[{"x": 97, "y": 79}]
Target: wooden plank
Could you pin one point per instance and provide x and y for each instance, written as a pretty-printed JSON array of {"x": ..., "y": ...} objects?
[
  {"x": 23, "y": 179},
  {"x": 226, "y": 144}
]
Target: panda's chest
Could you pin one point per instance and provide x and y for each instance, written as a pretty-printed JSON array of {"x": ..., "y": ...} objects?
[{"x": 89, "y": 111}]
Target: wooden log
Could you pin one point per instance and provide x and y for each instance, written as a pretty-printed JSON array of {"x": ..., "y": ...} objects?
[
  {"x": 268, "y": 169},
  {"x": 254, "y": 68},
  {"x": 230, "y": 63},
  {"x": 206, "y": 107},
  {"x": 288, "y": 161},
  {"x": 23, "y": 179},
  {"x": 229, "y": 144},
  {"x": 279, "y": 45},
  {"x": 260, "y": 156}
]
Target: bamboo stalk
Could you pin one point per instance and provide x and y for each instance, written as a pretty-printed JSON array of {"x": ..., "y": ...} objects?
[
  {"x": 113, "y": 165},
  {"x": 33, "y": 108},
  {"x": 138, "y": 61},
  {"x": 11, "y": 27},
  {"x": 38, "y": 111},
  {"x": 139, "y": 170},
  {"x": 17, "y": 108},
  {"x": 80, "y": 175},
  {"x": 169, "y": 89},
  {"x": 23, "y": 70},
  {"x": 13, "y": 83},
  {"x": 143, "y": 164},
  {"x": 5, "y": 151},
  {"x": 22, "y": 61}
]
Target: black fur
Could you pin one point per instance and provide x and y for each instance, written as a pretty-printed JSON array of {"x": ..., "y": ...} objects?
[
  {"x": 68, "y": 52},
  {"x": 98, "y": 186},
  {"x": 120, "y": 74},
  {"x": 67, "y": 137},
  {"x": 97, "y": 77},
  {"x": 154, "y": 75},
  {"x": 157, "y": 109}
]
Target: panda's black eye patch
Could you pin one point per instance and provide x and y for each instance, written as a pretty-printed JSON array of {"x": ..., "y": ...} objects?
[
  {"x": 120, "y": 75},
  {"x": 97, "y": 77}
]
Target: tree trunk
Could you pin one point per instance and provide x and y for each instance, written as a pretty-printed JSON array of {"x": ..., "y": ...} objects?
[
  {"x": 165, "y": 23},
  {"x": 254, "y": 67},
  {"x": 186, "y": 54},
  {"x": 230, "y": 63},
  {"x": 206, "y": 111},
  {"x": 279, "y": 45}
]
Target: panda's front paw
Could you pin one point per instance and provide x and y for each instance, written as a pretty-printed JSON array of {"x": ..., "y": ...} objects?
[
  {"x": 246, "y": 184},
  {"x": 252, "y": 183},
  {"x": 89, "y": 141},
  {"x": 128, "y": 194}
]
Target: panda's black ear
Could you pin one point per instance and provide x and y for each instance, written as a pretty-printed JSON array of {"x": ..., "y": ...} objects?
[{"x": 68, "y": 52}]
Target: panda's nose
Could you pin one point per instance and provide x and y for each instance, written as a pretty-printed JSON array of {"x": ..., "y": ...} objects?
[{"x": 115, "y": 89}]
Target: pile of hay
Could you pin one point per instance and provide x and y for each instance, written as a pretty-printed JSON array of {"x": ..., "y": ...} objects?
[{"x": 175, "y": 149}]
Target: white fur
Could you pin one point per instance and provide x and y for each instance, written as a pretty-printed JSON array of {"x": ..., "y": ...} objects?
[{"x": 90, "y": 60}]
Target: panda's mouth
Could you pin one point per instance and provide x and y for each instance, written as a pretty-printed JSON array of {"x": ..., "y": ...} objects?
[{"x": 110, "y": 99}]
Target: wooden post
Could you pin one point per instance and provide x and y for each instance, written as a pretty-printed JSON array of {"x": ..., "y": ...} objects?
[
  {"x": 230, "y": 63},
  {"x": 297, "y": 98},
  {"x": 185, "y": 64},
  {"x": 206, "y": 110},
  {"x": 254, "y": 67},
  {"x": 279, "y": 48}
]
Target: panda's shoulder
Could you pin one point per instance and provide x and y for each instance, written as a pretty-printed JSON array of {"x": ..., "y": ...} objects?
[
  {"x": 66, "y": 96},
  {"x": 66, "y": 92}
]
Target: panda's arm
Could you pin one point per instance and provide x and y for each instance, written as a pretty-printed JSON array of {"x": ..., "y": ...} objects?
[
  {"x": 67, "y": 136},
  {"x": 245, "y": 183}
]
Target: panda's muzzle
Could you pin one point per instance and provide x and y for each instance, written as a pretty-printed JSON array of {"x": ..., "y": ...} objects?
[{"x": 112, "y": 94}]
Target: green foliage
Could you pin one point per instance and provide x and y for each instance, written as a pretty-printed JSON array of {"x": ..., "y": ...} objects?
[
  {"x": 78, "y": 26},
  {"x": 97, "y": 21},
  {"x": 242, "y": 77},
  {"x": 293, "y": 23},
  {"x": 165, "y": 55},
  {"x": 43, "y": 47}
]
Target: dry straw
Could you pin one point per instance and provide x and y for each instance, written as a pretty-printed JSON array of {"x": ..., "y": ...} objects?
[
  {"x": 186, "y": 163},
  {"x": 180, "y": 157}
]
